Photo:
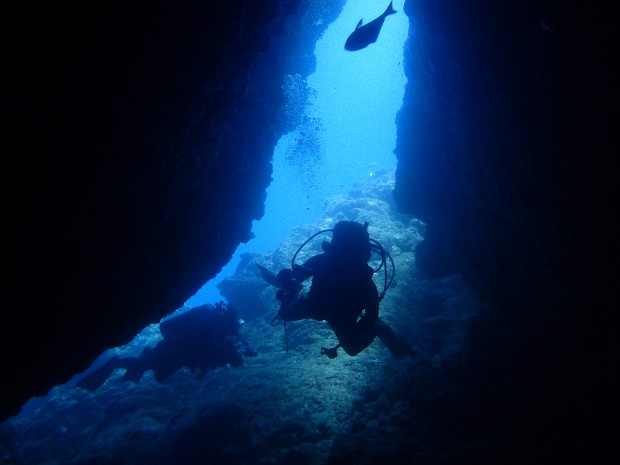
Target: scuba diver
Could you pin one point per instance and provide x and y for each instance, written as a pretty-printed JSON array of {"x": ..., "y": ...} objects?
[
  {"x": 342, "y": 292},
  {"x": 202, "y": 338}
]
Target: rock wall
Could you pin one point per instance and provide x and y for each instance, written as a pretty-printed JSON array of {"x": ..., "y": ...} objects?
[
  {"x": 138, "y": 141},
  {"x": 506, "y": 151},
  {"x": 504, "y": 145}
]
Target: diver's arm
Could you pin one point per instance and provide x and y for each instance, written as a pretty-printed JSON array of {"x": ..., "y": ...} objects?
[
  {"x": 290, "y": 279},
  {"x": 303, "y": 272}
]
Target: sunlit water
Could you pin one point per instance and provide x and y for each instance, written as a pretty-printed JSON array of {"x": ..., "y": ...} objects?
[{"x": 357, "y": 96}]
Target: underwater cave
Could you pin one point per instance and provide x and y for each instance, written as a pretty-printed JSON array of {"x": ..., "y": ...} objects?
[{"x": 141, "y": 141}]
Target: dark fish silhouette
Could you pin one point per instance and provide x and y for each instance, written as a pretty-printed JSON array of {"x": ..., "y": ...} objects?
[{"x": 368, "y": 33}]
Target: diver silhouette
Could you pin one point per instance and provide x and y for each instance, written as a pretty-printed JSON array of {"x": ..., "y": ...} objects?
[
  {"x": 202, "y": 338},
  {"x": 342, "y": 292}
]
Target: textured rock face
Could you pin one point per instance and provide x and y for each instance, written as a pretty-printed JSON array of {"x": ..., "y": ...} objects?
[
  {"x": 505, "y": 151},
  {"x": 504, "y": 142},
  {"x": 138, "y": 141}
]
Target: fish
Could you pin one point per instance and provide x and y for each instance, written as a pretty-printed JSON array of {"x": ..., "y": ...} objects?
[{"x": 367, "y": 34}]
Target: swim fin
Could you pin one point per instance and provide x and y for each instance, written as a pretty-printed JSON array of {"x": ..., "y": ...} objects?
[
  {"x": 94, "y": 380},
  {"x": 397, "y": 346}
]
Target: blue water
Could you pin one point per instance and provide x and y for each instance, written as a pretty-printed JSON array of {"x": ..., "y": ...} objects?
[{"x": 351, "y": 134}]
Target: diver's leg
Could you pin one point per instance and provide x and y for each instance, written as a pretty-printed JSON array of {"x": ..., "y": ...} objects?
[
  {"x": 136, "y": 366},
  {"x": 95, "y": 379},
  {"x": 396, "y": 345},
  {"x": 354, "y": 346},
  {"x": 351, "y": 338}
]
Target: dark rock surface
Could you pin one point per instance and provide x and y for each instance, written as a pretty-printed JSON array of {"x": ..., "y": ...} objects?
[
  {"x": 506, "y": 151},
  {"x": 138, "y": 140},
  {"x": 505, "y": 146}
]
